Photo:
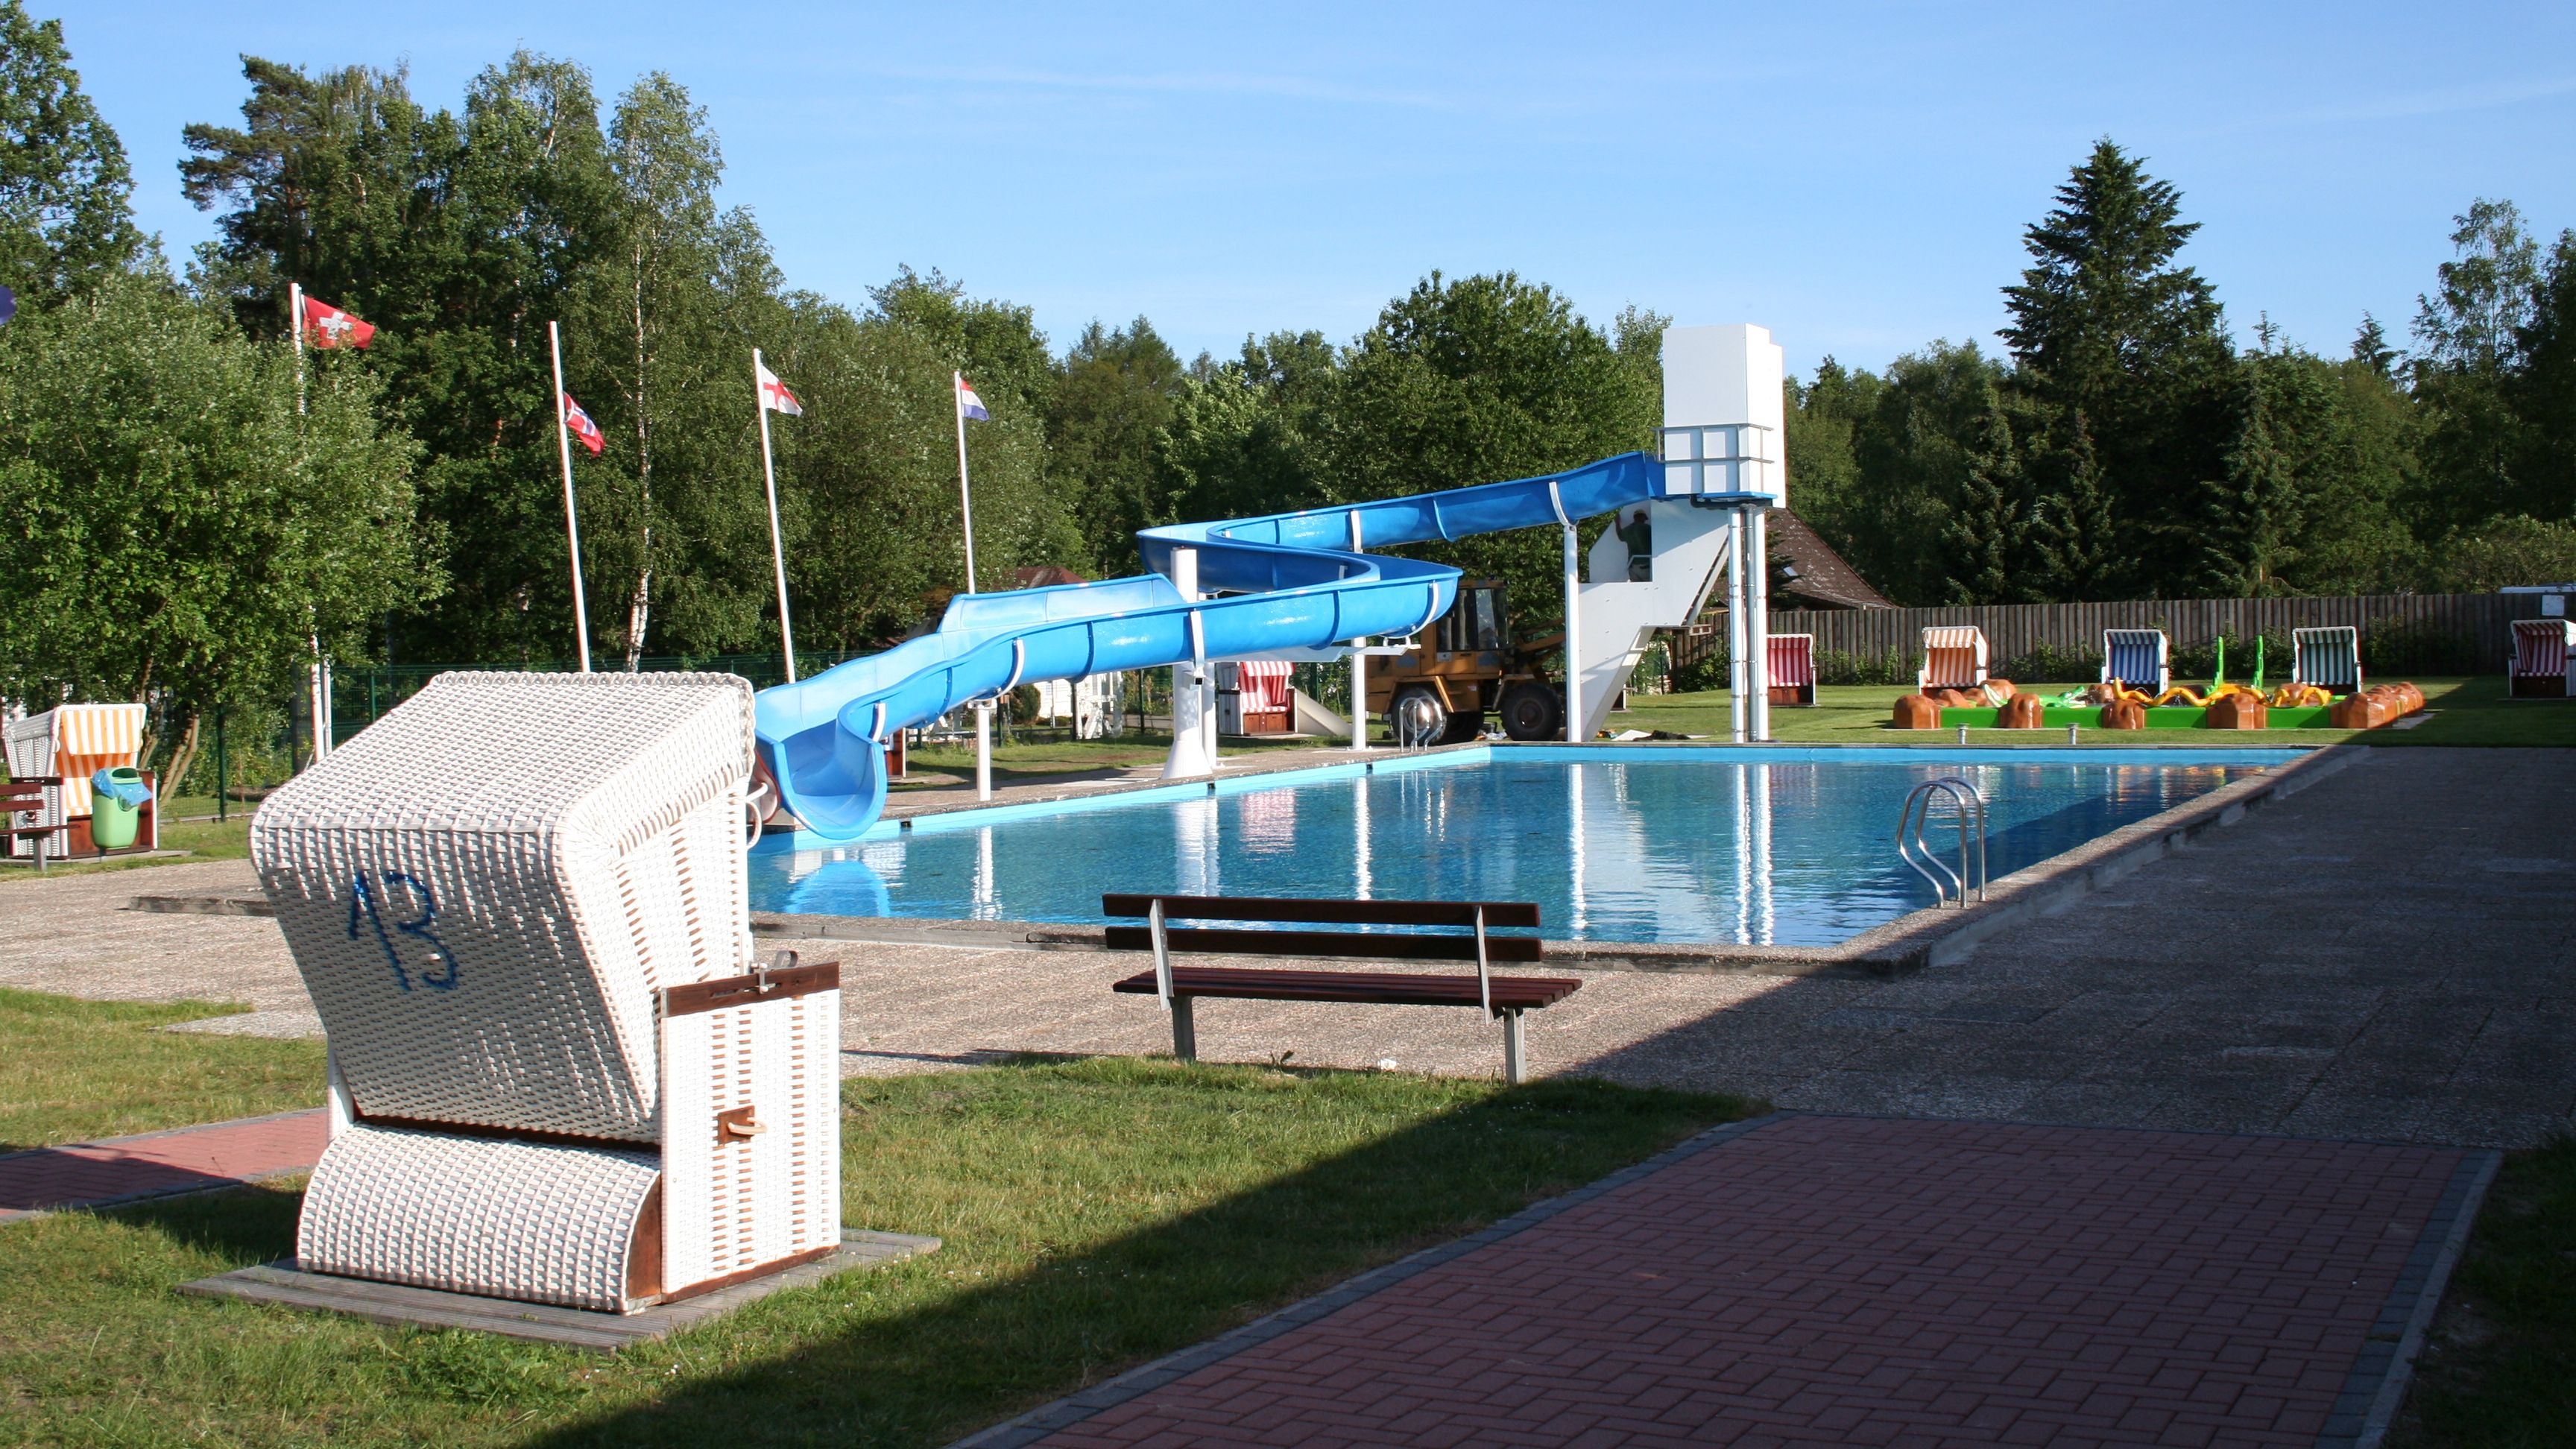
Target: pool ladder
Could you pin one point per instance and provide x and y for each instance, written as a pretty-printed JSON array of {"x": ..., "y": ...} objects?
[{"x": 1915, "y": 849}]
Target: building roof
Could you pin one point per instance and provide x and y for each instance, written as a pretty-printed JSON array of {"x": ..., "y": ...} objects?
[{"x": 1823, "y": 580}]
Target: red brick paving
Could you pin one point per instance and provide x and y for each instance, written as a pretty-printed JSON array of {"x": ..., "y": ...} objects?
[
  {"x": 1860, "y": 1281},
  {"x": 159, "y": 1163}
]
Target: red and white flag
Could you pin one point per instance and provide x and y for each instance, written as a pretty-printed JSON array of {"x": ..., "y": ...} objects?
[
  {"x": 774, "y": 394},
  {"x": 582, "y": 427},
  {"x": 327, "y": 326}
]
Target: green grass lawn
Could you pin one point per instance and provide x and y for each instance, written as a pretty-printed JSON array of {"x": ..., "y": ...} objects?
[
  {"x": 2496, "y": 1373},
  {"x": 2471, "y": 711},
  {"x": 73, "y": 1071},
  {"x": 1096, "y": 1214}
]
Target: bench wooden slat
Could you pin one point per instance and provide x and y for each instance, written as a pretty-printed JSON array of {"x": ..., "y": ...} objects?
[
  {"x": 1520, "y": 993},
  {"x": 1386, "y": 946},
  {"x": 1329, "y": 912}
]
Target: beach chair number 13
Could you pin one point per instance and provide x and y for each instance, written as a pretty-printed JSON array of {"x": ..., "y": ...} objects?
[{"x": 362, "y": 902}]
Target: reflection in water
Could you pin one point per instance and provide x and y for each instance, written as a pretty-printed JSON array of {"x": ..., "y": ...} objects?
[{"x": 1658, "y": 848}]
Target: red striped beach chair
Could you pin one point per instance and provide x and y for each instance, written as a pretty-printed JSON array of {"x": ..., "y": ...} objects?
[
  {"x": 2544, "y": 658},
  {"x": 1793, "y": 669}
]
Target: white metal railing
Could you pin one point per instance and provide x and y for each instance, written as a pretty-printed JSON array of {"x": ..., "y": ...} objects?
[{"x": 1916, "y": 850}]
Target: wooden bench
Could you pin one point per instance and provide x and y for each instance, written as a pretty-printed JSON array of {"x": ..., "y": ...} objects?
[
  {"x": 1503, "y": 997},
  {"x": 27, "y": 797}
]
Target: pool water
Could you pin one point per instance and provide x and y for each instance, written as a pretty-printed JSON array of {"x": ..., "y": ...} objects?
[{"x": 1765, "y": 846}]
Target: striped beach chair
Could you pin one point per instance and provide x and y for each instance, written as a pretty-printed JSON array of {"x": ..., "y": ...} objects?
[
  {"x": 558, "y": 1072},
  {"x": 68, "y": 744},
  {"x": 2138, "y": 658},
  {"x": 1954, "y": 657},
  {"x": 2329, "y": 658},
  {"x": 2544, "y": 658},
  {"x": 1793, "y": 669}
]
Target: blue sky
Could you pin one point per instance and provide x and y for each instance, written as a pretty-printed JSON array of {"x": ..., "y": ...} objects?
[{"x": 1854, "y": 177}]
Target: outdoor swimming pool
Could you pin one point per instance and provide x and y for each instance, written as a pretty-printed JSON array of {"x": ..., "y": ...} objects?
[{"x": 1759, "y": 846}]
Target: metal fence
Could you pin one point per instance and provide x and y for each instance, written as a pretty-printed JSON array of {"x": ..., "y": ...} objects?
[{"x": 2430, "y": 634}]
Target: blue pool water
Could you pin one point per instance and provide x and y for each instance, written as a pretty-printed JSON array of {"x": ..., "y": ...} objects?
[{"x": 1770, "y": 846}]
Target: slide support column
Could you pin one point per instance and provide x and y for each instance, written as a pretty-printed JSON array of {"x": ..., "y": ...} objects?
[{"x": 1757, "y": 618}]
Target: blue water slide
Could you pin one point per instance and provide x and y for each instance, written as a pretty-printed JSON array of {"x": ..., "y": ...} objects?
[{"x": 1288, "y": 580}]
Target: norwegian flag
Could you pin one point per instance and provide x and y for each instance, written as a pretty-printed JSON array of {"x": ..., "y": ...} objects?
[
  {"x": 582, "y": 427},
  {"x": 968, "y": 404},
  {"x": 327, "y": 326},
  {"x": 774, "y": 394}
]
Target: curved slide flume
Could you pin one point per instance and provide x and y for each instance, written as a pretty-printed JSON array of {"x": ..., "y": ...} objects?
[{"x": 1287, "y": 580}]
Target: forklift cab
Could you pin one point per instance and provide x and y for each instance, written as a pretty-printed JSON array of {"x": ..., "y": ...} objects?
[
  {"x": 1474, "y": 624},
  {"x": 1461, "y": 669}
]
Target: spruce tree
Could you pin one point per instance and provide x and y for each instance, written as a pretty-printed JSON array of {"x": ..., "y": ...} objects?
[
  {"x": 2250, "y": 514},
  {"x": 2370, "y": 347},
  {"x": 2105, "y": 322},
  {"x": 1981, "y": 545},
  {"x": 2074, "y": 532}
]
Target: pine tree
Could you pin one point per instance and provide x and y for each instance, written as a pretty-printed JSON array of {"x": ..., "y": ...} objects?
[
  {"x": 66, "y": 218},
  {"x": 1981, "y": 545}
]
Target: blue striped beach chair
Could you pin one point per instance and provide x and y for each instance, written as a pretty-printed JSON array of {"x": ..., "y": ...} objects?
[
  {"x": 2328, "y": 658},
  {"x": 2137, "y": 658}
]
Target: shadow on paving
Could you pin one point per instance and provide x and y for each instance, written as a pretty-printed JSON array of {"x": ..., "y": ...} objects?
[{"x": 934, "y": 1371}]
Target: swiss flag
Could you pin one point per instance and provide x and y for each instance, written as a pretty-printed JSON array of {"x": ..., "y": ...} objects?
[
  {"x": 582, "y": 427},
  {"x": 328, "y": 326}
]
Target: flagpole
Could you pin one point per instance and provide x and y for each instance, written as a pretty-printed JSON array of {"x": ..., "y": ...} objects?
[
  {"x": 318, "y": 678},
  {"x": 983, "y": 708},
  {"x": 572, "y": 520},
  {"x": 295, "y": 324},
  {"x": 965, "y": 494},
  {"x": 777, "y": 550}
]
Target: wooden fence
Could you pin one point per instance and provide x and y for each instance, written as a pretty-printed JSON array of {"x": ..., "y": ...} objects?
[{"x": 2429, "y": 634}]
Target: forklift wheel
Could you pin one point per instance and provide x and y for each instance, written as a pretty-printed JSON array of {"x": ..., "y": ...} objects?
[{"x": 1533, "y": 711}]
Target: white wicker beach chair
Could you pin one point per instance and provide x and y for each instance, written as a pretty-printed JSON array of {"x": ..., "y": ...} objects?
[{"x": 519, "y": 902}]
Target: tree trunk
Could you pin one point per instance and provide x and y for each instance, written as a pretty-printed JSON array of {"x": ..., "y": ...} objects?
[
  {"x": 639, "y": 609},
  {"x": 183, "y": 758}
]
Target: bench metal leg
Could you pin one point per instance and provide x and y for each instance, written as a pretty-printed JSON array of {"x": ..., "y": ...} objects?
[
  {"x": 1185, "y": 1030},
  {"x": 1514, "y": 1068}
]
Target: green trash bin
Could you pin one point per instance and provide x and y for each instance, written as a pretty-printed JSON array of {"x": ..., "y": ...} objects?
[{"x": 116, "y": 799}]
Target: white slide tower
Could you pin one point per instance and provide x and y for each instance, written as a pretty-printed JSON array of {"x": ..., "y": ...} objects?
[{"x": 1723, "y": 406}]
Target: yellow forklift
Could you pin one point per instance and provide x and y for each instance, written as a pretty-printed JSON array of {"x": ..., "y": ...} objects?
[{"x": 1464, "y": 667}]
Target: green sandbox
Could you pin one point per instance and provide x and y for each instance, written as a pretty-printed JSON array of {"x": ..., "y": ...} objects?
[{"x": 2165, "y": 717}]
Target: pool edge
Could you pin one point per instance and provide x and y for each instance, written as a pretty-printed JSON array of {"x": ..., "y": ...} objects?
[{"x": 1932, "y": 936}]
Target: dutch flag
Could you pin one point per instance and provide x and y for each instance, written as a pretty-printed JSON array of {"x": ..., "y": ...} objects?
[{"x": 968, "y": 404}]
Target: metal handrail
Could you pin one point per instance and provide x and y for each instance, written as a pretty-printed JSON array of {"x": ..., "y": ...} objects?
[{"x": 1916, "y": 818}]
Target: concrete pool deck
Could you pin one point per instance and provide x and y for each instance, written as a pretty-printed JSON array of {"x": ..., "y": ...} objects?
[{"x": 2383, "y": 955}]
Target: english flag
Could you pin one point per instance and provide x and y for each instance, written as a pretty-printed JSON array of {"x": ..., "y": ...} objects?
[
  {"x": 969, "y": 404},
  {"x": 582, "y": 427},
  {"x": 331, "y": 327},
  {"x": 774, "y": 394}
]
